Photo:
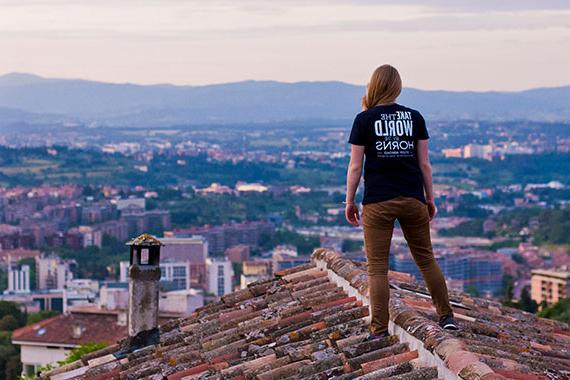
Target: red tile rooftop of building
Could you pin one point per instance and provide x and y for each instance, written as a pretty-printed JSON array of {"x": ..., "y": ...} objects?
[
  {"x": 73, "y": 329},
  {"x": 310, "y": 322}
]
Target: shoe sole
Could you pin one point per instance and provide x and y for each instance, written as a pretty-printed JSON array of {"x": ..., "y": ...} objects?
[{"x": 450, "y": 327}]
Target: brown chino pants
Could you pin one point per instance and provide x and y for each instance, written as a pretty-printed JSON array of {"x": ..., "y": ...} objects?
[{"x": 378, "y": 222}]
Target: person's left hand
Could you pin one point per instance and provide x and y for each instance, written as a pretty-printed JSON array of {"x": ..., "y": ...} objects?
[
  {"x": 352, "y": 214},
  {"x": 432, "y": 209}
]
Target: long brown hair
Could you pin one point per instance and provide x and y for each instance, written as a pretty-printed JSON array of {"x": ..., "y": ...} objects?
[{"x": 384, "y": 87}]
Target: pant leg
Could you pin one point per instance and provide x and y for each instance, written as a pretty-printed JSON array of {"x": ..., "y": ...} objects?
[
  {"x": 378, "y": 224},
  {"x": 414, "y": 220}
]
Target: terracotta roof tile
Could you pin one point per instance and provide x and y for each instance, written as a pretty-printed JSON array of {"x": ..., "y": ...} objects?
[
  {"x": 390, "y": 361},
  {"x": 310, "y": 322},
  {"x": 389, "y": 371},
  {"x": 73, "y": 329}
]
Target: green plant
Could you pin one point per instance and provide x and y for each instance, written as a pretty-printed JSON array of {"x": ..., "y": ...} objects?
[
  {"x": 559, "y": 311},
  {"x": 40, "y": 316},
  {"x": 8, "y": 323},
  {"x": 78, "y": 352}
]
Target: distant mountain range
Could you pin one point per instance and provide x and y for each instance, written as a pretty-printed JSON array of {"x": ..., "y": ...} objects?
[{"x": 32, "y": 99}]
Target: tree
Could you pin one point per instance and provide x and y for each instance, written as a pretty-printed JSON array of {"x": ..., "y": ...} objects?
[
  {"x": 349, "y": 245},
  {"x": 469, "y": 228},
  {"x": 3, "y": 280},
  {"x": 559, "y": 311},
  {"x": 11, "y": 308},
  {"x": 8, "y": 323},
  {"x": 238, "y": 270},
  {"x": 472, "y": 291},
  {"x": 517, "y": 258},
  {"x": 508, "y": 286},
  {"x": 526, "y": 303},
  {"x": 40, "y": 316},
  {"x": 13, "y": 367},
  {"x": 8, "y": 353},
  {"x": 305, "y": 244}
]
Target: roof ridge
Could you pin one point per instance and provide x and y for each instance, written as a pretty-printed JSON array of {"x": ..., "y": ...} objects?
[{"x": 435, "y": 340}]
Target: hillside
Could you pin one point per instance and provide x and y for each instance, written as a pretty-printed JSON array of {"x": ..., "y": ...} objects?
[{"x": 252, "y": 101}]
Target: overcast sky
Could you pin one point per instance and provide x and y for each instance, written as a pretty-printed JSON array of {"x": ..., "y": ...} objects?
[{"x": 440, "y": 44}]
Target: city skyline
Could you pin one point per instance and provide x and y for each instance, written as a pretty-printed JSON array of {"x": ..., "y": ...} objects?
[{"x": 440, "y": 45}]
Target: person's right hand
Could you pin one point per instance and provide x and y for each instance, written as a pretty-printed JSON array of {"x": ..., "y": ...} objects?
[
  {"x": 352, "y": 214},
  {"x": 432, "y": 209}
]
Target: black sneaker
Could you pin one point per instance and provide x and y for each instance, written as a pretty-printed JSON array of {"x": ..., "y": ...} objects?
[
  {"x": 371, "y": 336},
  {"x": 448, "y": 323}
]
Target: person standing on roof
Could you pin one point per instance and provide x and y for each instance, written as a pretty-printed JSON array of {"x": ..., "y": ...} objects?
[{"x": 397, "y": 185}]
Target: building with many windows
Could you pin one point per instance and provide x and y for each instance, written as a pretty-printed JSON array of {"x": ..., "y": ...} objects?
[
  {"x": 175, "y": 275},
  {"x": 192, "y": 249},
  {"x": 468, "y": 270},
  {"x": 549, "y": 286},
  {"x": 229, "y": 235},
  {"x": 139, "y": 220},
  {"x": 53, "y": 272},
  {"x": 220, "y": 276}
]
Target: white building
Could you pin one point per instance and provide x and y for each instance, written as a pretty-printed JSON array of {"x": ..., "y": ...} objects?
[
  {"x": 123, "y": 271},
  {"x": 478, "y": 151},
  {"x": 256, "y": 270},
  {"x": 193, "y": 248},
  {"x": 18, "y": 280},
  {"x": 83, "y": 285},
  {"x": 181, "y": 302},
  {"x": 246, "y": 279},
  {"x": 285, "y": 249},
  {"x": 80, "y": 292},
  {"x": 52, "y": 272},
  {"x": 220, "y": 275},
  {"x": 125, "y": 203},
  {"x": 190, "y": 248},
  {"x": 85, "y": 236},
  {"x": 112, "y": 297},
  {"x": 175, "y": 274},
  {"x": 244, "y": 187}
]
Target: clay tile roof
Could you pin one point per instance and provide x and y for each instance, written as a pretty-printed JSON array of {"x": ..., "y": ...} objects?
[
  {"x": 493, "y": 340},
  {"x": 72, "y": 329},
  {"x": 310, "y": 322}
]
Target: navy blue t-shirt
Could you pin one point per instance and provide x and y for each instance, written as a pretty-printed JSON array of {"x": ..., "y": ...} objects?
[{"x": 389, "y": 134}]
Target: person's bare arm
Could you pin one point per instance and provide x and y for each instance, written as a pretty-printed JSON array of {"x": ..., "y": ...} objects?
[
  {"x": 425, "y": 167},
  {"x": 353, "y": 175}
]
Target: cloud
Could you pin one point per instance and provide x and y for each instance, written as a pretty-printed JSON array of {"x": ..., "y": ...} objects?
[
  {"x": 196, "y": 41},
  {"x": 175, "y": 20}
]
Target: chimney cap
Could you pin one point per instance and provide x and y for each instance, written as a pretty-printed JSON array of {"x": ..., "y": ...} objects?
[{"x": 145, "y": 240}]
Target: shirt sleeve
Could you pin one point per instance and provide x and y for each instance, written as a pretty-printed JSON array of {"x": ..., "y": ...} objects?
[
  {"x": 421, "y": 129},
  {"x": 357, "y": 136}
]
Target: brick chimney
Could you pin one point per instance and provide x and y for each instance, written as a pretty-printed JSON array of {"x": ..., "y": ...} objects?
[{"x": 144, "y": 276}]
